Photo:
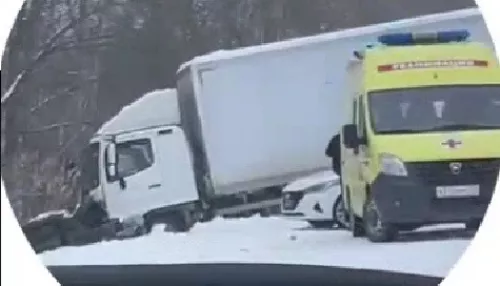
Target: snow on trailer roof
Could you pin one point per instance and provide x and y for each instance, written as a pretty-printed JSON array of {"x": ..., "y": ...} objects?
[
  {"x": 155, "y": 108},
  {"x": 327, "y": 37}
]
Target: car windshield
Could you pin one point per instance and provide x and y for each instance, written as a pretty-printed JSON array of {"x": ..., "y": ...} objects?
[
  {"x": 177, "y": 132},
  {"x": 429, "y": 109}
]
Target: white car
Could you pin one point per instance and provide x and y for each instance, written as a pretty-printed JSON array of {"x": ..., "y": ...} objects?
[{"x": 315, "y": 199}]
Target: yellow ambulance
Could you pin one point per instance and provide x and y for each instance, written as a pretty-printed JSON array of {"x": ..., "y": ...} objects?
[{"x": 423, "y": 142}]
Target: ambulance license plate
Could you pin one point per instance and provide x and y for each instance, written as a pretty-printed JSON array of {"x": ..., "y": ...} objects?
[{"x": 445, "y": 192}]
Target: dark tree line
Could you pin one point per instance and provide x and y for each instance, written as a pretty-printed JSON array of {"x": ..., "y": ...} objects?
[{"x": 71, "y": 64}]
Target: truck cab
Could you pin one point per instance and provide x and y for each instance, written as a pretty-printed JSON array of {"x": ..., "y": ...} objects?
[
  {"x": 138, "y": 165},
  {"x": 423, "y": 142}
]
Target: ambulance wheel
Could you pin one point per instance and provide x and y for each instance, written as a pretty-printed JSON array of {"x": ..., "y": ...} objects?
[
  {"x": 356, "y": 226},
  {"x": 376, "y": 229}
]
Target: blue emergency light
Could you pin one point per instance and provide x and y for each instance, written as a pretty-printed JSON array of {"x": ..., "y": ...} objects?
[{"x": 408, "y": 39}]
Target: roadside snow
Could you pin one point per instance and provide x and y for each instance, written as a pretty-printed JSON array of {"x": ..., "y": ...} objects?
[{"x": 271, "y": 240}]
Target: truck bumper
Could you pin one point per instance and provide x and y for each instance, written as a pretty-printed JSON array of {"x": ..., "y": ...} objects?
[{"x": 402, "y": 200}]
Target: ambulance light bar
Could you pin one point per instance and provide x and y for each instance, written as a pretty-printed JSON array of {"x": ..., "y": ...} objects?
[{"x": 408, "y": 39}]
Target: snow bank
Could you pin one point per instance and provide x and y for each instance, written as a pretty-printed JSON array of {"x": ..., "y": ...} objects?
[
  {"x": 271, "y": 240},
  {"x": 309, "y": 181},
  {"x": 328, "y": 37},
  {"x": 45, "y": 215},
  {"x": 159, "y": 107}
]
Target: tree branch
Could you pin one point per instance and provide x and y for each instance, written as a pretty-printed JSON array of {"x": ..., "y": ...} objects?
[
  {"x": 49, "y": 99},
  {"x": 57, "y": 125},
  {"x": 48, "y": 48},
  {"x": 71, "y": 141}
]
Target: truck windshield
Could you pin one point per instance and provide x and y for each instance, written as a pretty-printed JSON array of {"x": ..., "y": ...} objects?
[
  {"x": 431, "y": 109},
  {"x": 89, "y": 178}
]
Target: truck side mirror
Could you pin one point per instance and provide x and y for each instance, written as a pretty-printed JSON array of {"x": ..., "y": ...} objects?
[
  {"x": 350, "y": 136},
  {"x": 111, "y": 160}
]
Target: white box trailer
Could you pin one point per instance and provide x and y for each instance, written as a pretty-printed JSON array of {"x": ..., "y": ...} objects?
[{"x": 263, "y": 115}]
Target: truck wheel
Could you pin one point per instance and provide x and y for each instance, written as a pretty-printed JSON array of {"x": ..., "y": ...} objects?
[
  {"x": 247, "y": 214},
  {"x": 68, "y": 229},
  {"x": 46, "y": 238},
  {"x": 265, "y": 212},
  {"x": 340, "y": 216},
  {"x": 207, "y": 215},
  {"x": 49, "y": 244},
  {"x": 376, "y": 229},
  {"x": 180, "y": 222}
]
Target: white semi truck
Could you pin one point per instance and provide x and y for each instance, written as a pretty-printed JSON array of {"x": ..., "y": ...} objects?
[{"x": 248, "y": 120}]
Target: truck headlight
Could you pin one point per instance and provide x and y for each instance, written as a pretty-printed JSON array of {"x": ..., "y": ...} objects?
[{"x": 392, "y": 165}]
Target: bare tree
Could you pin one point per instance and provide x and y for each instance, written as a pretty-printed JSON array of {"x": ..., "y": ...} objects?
[{"x": 54, "y": 44}]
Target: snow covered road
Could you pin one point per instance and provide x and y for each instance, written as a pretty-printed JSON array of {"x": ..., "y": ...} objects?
[{"x": 274, "y": 240}]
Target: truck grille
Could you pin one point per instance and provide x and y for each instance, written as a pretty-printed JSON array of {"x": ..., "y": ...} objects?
[{"x": 482, "y": 171}]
